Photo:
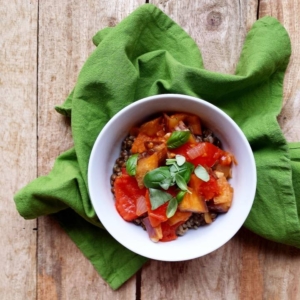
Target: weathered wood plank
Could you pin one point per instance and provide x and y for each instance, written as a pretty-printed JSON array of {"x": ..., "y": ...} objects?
[
  {"x": 287, "y": 12},
  {"x": 234, "y": 271},
  {"x": 18, "y": 49},
  {"x": 268, "y": 270},
  {"x": 248, "y": 267},
  {"x": 217, "y": 26},
  {"x": 65, "y": 32}
]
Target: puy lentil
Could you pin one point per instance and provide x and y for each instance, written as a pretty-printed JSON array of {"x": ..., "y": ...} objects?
[
  {"x": 121, "y": 160},
  {"x": 194, "y": 222}
]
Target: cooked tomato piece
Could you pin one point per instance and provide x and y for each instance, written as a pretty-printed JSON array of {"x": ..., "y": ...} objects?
[
  {"x": 169, "y": 231},
  {"x": 182, "y": 150},
  {"x": 205, "y": 154},
  {"x": 209, "y": 189},
  {"x": 158, "y": 215},
  {"x": 126, "y": 194}
]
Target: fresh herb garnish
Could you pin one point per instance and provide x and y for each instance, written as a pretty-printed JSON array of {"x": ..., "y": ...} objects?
[
  {"x": 180, "y": 182},
  {"x": 179, "y": 159},
  {"x": 131, "y": 164},
  {"x": 180, "y": 195},
  {"x": 157, "y": 178},
  {"x": 177, "y": 139},
  {"x": 158, "y": 198},
  {"x": 164, "y": 177},
  {"x": 172, "y": 207},
  {"x": 201, "y": 173},
  {"x": 186, "y": 171}
]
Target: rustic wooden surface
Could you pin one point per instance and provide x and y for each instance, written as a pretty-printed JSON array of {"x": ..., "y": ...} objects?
[{"x": 43, "y": 46}]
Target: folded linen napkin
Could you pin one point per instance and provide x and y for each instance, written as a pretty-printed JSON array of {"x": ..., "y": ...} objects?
[{"x": 148, "y": 54}]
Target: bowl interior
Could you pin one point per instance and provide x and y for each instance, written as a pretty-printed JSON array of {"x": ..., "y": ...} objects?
[{"x": 194, "y": 243}]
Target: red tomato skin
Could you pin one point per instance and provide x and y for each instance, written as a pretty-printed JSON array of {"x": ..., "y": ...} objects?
[
  {"x": 209, "y": 189},
  {"x": 126, "y": 194},
  {"x": 211, "y": 154},
  {"x": 158, "y": 215},
  {"x": 169, "y": 232},
  {"x": 182, "y": 150}
]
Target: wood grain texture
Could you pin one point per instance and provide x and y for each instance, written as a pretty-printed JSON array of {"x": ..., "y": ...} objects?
[
  {"x": 18, "y": 47},
  {"x": 219, "y": 29},
  {"x": 248, "y": 267},
  {"x": 217, "y": 26},
  {"x": 287, "y": 12},
  {"x": 65, "y": 32},
  {"x": 49, "y": 41}
]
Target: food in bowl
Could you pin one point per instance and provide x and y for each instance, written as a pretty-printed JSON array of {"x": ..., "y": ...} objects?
[
  {"x": 172, "y": 175},
  {"x": 195, "y": 243}
]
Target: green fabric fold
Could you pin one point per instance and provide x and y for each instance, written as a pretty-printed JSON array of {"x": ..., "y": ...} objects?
[{"x": 148, "y": 54}]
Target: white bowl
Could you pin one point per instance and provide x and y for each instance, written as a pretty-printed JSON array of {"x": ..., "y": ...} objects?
[{"x": 194, "y": 243}]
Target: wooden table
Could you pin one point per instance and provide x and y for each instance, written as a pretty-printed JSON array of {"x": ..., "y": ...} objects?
[{"x": 43, "y": 46}]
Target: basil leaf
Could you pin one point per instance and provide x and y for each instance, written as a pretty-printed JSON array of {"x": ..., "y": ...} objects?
[
  {"x": 174, "y": 169},
  {"x": 180, "y": 182},
  {"x": 186, "y": 171},
  {"x": 131, "y": 164},
  {"x": 180, "y": 160},
  {"x": 158, "y": 198},
  {"x": 201, "y": 173},
  {"x": 170, "y": 161},
  {"x": 180, "y": 196},
  {"x": 166, "y": 183},
  {"x": 172, "y": 207},
  {"x": 154, "y": 178},
  {"x": 177, "y": 139}
]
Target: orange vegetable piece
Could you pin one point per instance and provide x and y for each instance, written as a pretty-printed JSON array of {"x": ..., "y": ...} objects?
[
  {"x": 179, "y": 216},
  {"x": 138, "y": 145},
  {"x": 191, "y": 121},
  {"x": 193, "y": 202},
  {"x": 194, "y": 124},
  {"x": 145, "y": 165},
  {"x": 152, "y": 127},
  {"x": 226, "y": 193}
]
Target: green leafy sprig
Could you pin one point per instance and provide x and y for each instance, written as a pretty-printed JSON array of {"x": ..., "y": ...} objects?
[{"x": 176, "y": 172}]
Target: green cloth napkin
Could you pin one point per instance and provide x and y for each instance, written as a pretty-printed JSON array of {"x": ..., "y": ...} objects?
[{"x": 148, "y": 54}]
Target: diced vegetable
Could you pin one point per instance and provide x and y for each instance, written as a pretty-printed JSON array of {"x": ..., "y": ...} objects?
[
  {"x": 126, "y": 193},
  {"x": 155, "y": 233},
  {"x": 207, "y": 218},
  {"x": 138, "y": 145},
  {"x": 204, "y": 154},
  {"x": 192, "y": 121},
  {"x": 193, "y": 202},
  {"x": 168, "y": 232},
  {"x": 226, "y": 170},
  {"x": 226, "y": 192},
  {"x": 152, "y": 127},
  {"x": 157, "y": 215},
  {"x": 145, "y": 165},
  {"x": 180, "y": 216},
  {"x": 141, "y": 206},
  {"x": 207, "y": 190}
]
